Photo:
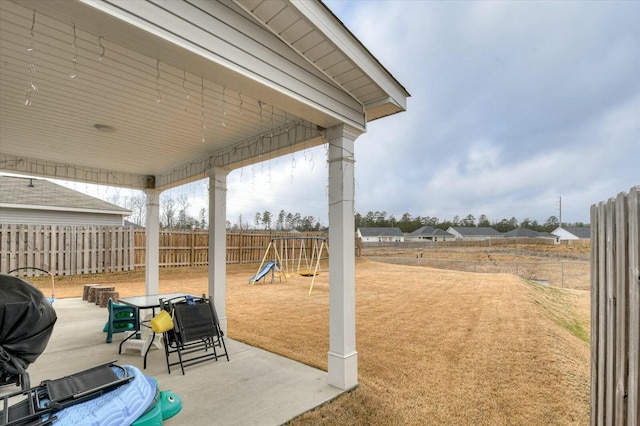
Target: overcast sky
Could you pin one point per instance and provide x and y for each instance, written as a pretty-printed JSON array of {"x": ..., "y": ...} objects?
[{"x": 513, "y": 105}]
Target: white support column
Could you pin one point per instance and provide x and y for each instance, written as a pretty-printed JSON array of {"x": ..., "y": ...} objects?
[
  {"x": 218, "y": 242},
  {"x": 152, "y": 245},
  {"x": 343, "y": 358}
]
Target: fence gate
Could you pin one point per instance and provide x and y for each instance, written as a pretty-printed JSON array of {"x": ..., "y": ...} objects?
[{"x": 615, "y": 310}]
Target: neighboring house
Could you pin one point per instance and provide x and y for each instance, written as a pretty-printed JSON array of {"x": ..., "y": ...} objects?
[
  {"x": 378, "y": 235},
  {"x": 573, "y": 233},
  {"x": 129, "y": 223},
  {"x": 530, "y": 233},
  {"x": 474, "y": 233},
  {"x": 429, "y": 233},
  {"x": 28, "y": 201}
]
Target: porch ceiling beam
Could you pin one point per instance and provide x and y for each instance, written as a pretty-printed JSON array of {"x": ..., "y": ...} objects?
[
  {"x": 277, "y": 142},
  {"x": 65, "y": 171}
]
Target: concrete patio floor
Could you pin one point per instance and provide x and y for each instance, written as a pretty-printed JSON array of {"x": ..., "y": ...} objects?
[{"x": 255, "y": 387}]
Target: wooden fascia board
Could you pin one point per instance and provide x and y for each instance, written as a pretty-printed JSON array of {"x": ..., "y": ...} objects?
[
  {"x": 339, "y": 35},
  {"x": 234, "y": 54}
]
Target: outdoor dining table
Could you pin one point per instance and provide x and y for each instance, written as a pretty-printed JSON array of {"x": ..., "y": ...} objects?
[{"x": 149, "y": 301}]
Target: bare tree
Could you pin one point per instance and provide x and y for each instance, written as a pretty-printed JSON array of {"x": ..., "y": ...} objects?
[
  {"x": 257, "y": 219},
  {"x": 183, "y": 218},
  {"x": 136, "y": 204},
  {"x": 168, "y": 212},
  {"x": 203, "y": 218}
]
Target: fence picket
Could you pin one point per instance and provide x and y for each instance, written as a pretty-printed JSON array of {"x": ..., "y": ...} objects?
[
  {"x": 633, "y": 395},
  {"x": 600, "y": 368},
  {"x": 3, "y": 243},
  {"x": 595, "y": 324},
  {"x": 621, "y": 289},
  {"x": 610, "y": 305}
]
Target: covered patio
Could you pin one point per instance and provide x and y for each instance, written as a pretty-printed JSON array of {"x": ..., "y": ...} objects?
[
  {"x": 253, "y": 387},
  {"x": 152, "y": 95}
]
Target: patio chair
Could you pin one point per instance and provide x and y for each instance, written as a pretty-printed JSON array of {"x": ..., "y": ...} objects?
[
  {"x": 196, "y": 333},
  {"x": 39, "y": 405}
]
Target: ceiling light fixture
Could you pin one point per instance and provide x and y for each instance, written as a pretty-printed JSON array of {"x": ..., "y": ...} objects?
[{"x": 104, "y": 128}]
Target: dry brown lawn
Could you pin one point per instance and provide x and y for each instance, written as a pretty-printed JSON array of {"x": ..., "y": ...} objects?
[
  {"x": 434, "y": 346},
  {"x": 560, "y": 265}
]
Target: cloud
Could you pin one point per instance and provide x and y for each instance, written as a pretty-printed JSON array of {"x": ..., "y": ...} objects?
[{"x": 514, "y": 104}]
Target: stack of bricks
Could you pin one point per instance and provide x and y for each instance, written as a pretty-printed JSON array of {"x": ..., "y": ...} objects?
[
  {"x": 106, "y": 295},
  {"x": 85, "y": 291},
  {"x": 94, "y": 294}
]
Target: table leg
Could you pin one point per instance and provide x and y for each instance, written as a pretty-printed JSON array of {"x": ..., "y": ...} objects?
[{"x": 153, "y": 338}]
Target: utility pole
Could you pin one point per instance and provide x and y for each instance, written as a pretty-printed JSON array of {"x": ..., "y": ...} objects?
[{"x": 560, "y": 205}]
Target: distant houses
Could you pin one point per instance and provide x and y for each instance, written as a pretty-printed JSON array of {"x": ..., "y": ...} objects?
[
  {"x": 474, "y": 233},
  {"x": 468, "y": 233},
  {"x": 573, "y": 233},
  {"x": 29, "y": 201},
  {"x": 379, "y": 235},
  {"x": 429, "y": 233},
  {"x": 530, "y": 233}
]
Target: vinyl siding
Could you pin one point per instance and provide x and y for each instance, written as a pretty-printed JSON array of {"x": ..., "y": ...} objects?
[{"x": 49, "y": 217}]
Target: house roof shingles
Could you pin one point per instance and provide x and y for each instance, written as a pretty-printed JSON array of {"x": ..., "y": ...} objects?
[
  {"x": 579, "y": 231},
  {"x": 429, "y": 231},
  {"x": 527, "y": 233},
  {"x": 475, "y": 231},
  {"x": 381, "y": 232},
  {"x": 18, "y": 192}
]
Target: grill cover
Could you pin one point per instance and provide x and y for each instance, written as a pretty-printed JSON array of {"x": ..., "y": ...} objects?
[{"x": 26, "y": 324}]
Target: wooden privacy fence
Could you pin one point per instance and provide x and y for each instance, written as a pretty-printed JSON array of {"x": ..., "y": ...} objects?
[
  {"x": 615, "y": 310},
  {"x": 191, "y": 247},
  {"x": 74, "y": 250},
  {"x": 66, "y": 250}
]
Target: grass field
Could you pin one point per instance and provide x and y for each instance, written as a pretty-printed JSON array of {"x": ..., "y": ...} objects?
[{"x": 434, "y": 346}]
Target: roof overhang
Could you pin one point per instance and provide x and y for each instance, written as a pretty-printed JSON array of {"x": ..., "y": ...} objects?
[{"x": 182, "y": 86}]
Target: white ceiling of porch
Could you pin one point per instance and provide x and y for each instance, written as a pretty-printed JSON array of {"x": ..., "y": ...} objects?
[
  {"x": 66, "y": 66},
  {"x": 150, "y": 104}
]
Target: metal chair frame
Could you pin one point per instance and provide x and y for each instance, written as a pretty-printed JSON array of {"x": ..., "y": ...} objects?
[{"x": 196, "y": 330}]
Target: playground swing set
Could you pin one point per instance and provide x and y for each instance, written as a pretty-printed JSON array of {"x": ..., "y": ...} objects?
[{"x": 299, "y": 255}]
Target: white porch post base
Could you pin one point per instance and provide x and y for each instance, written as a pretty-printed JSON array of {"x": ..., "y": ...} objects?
[{"x": 343, "y": 370}]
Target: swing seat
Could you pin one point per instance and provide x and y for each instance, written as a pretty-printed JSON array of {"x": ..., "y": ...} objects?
[{"x": 308, "y": 273}]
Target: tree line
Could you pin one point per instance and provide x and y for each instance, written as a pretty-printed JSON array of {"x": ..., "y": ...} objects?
[
  {"x": 284, "y": 221},
  {"x": 174, "y": 214},
  {"x": 408, "y": 223}
]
